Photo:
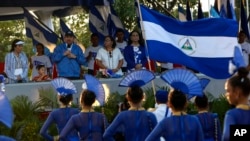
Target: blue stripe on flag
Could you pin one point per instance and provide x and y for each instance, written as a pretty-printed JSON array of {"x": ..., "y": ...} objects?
[{"x": 224, "y": 27}]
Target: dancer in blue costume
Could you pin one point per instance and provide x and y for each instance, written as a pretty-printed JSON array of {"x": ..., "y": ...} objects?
[
  {"x": 89, "y": 124},
  {"x": 60, "y": 116},
  {"x": 180, "y": 126},
  {"x": 137, "y": 122},
  {"x": 237, "y": 92},
  {"x": 209, "y": 121}
]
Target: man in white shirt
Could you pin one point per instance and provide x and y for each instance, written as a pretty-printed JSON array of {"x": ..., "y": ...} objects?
[{"x": 91, "y": 53}]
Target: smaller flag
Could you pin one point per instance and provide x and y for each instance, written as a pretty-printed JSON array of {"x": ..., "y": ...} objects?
[
  {"x": 38, "y": 32},
  {"x": 223, "y": 13},
  {"x": 181, "y": 13},
  {"x": 97, "y": 23},
  {"x": 188, "y": 12},
  {"x": 200, "y": 12},
  {"x": 243, "y": 20},
  {"x": 114, "y": 22},
  {"x": 214, "y": 13},
  {"x": 64, "y": 28}
]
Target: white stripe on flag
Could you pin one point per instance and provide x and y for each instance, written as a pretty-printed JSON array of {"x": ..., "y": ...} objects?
[{"x": 203, "y": 46}]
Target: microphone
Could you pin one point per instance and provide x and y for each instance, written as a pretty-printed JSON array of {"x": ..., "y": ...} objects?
[{"x": 69, "y": 46}]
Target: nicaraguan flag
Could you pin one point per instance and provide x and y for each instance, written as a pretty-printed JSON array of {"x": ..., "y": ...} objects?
[
  {"x": 114, "y": 22},
  {"x": 98, "y": 17},
  {"x": 206, "y": 45},
  {"x": 38, "y": 32}
]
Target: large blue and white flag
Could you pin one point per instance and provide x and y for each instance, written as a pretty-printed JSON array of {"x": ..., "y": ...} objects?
[
  {"x": 38, "y": 32},
  {"x": 98, "y": 16},
  {"x": 207, "y": 49}
]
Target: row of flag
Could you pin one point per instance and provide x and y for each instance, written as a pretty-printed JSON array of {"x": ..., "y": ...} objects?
[{"x": 102, "y": 20}]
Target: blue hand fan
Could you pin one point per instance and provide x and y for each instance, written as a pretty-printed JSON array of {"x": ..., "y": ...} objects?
[
  {"x": 2, "y": 78},
  {"x": 95, "y": 85},
  {"x": 204, "y": 82},
  {"x": 63, "y": 86},
  {"x": 6, "y": 115},
  {"x": 183, "y": 80},
  {"x": 137, "y": 78},
  {"x": 5, "y": 138},
  {"x": 237, "y": 62}
]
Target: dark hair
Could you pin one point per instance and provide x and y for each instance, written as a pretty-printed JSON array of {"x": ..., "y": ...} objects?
[
  {"x": 178, "y": 99},
  {"x": 38, "y": 67},
  {"x": 13, "y": 45},
  {"x": 141, "y": 41},
  {"x": 241, "y": 81},
  {"x": 201, "y": 101},
  {"x": 66, "y": 99},
  {"x": 119, "y": 30},
  {"x": 40, "y": 44},
  {"x": 112, "y": 39},
  {"x": 94, "y": 35},
  {"x": 87, "y": 97},
  {"x": 135, "y": 93}
]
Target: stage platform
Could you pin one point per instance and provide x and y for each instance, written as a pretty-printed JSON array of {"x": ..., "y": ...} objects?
[{"x": 215, "y": 87}]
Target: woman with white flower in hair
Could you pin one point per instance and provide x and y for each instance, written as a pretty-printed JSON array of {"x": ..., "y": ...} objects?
[
  {"x": 89, "y": 124},
  {"x": 65, "y": 89},
  {"x": 179, "y": 126},
  {"x": 136, "y": 122}
]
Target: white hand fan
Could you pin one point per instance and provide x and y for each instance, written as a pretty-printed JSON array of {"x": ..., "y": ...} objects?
[
  {"x": 63, "y": 86},
  {"x": 183, "y": 80},
  {"x": 137, "y": 78},
  {"x": 95, "y": 85}
]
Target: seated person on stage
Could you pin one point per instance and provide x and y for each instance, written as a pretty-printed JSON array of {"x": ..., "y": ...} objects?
[
  {"x": 135, "y": 53},
  {"x": 42, "y": 76},
  {"x": 110, "y": 59}
]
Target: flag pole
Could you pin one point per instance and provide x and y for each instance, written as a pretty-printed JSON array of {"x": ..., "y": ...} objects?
[
  {"x": 41, "y": 23},
  {"x": 143, "y": 35}
]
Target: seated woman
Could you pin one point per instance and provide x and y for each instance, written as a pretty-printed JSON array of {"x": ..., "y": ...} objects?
[
  {"x": 136, "y": 121},
  {"x": 89, "y": 124},
  {"x": 110, "y": 59},
  {"x": 179, "y": 126}
]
